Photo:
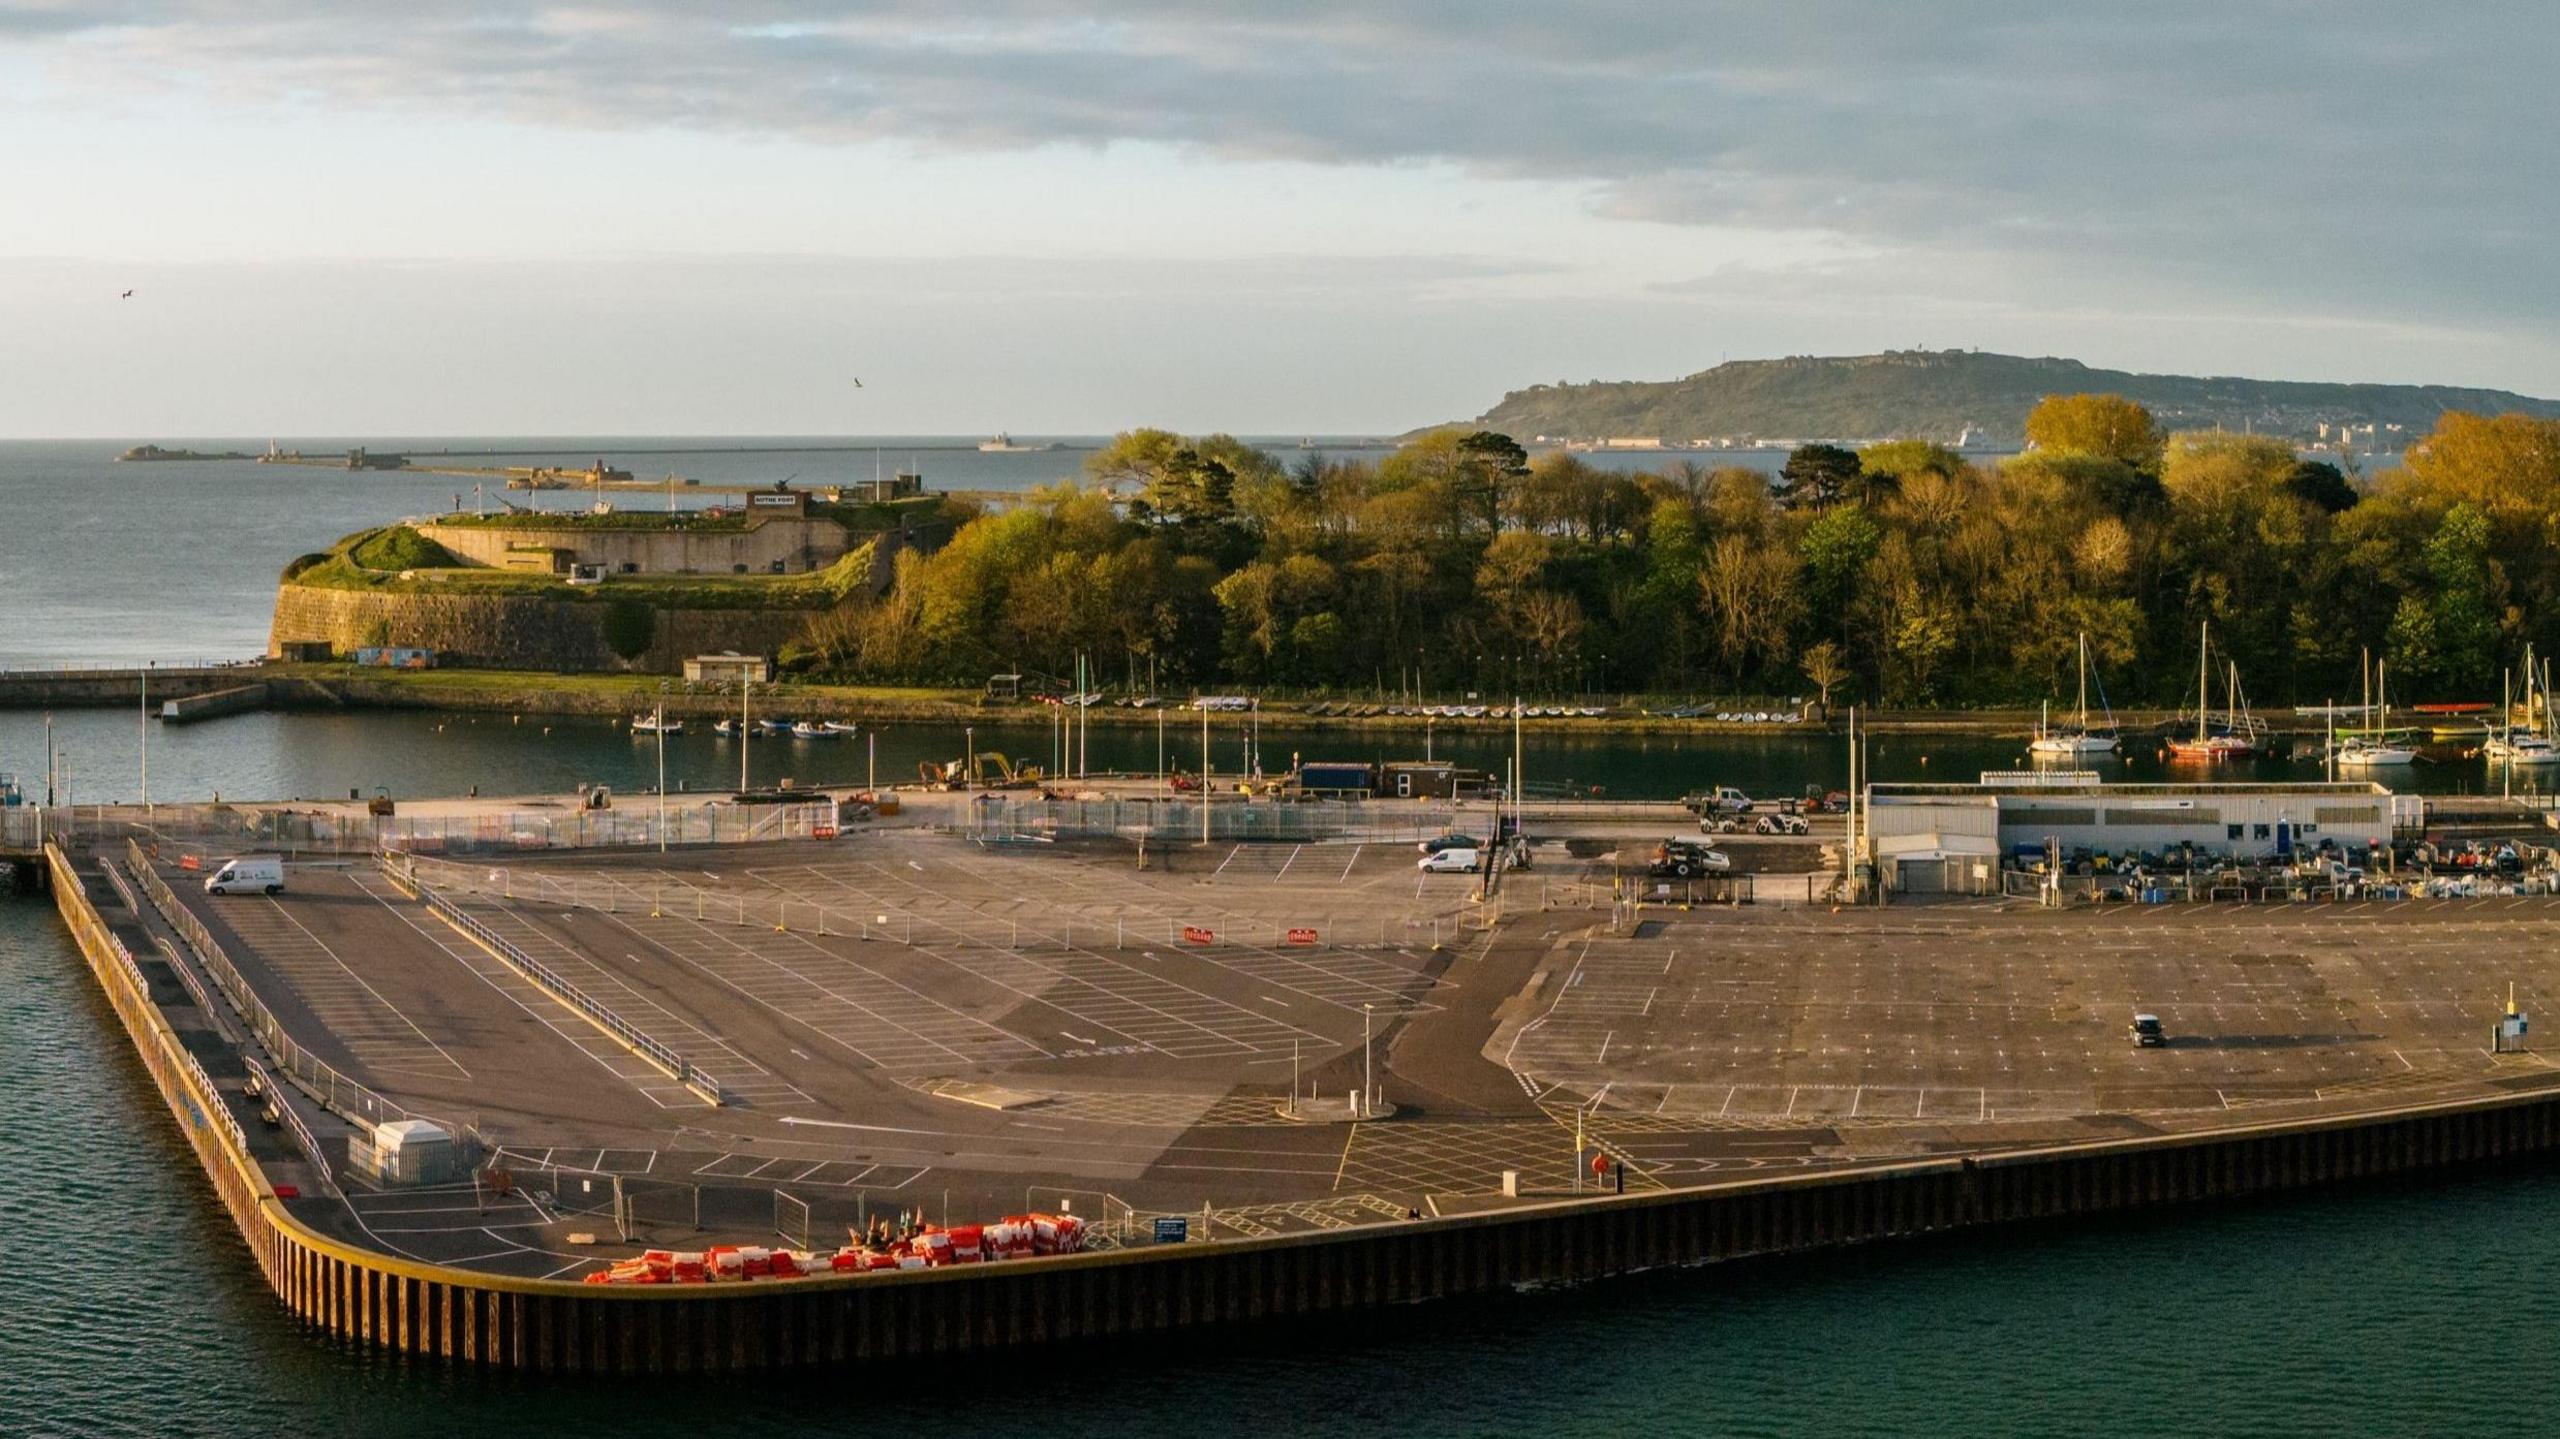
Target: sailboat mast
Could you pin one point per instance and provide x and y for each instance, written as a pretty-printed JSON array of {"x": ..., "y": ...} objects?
[
  {"x": 2084, "y": 682},
  {"x": 2204, "y": 658}
]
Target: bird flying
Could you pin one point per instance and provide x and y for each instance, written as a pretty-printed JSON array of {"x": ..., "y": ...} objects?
[{"x": 127, "y": 295}]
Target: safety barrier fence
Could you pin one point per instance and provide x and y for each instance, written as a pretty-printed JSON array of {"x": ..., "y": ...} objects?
[
  {"x": 212, "y": 831},
  {"x": 2080, "y": 889},
  {"x": 1047, "y": 929},
  {"x": 293, "y": 1122},
  {"x": 347, "y": 1098},
  {"x": 98, "y": 939},
  {"x": 994, "y": 817},
  {"x": 631, "y": 1036}
]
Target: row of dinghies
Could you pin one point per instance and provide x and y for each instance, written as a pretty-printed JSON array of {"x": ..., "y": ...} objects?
[{"x": 649, "y": 724}]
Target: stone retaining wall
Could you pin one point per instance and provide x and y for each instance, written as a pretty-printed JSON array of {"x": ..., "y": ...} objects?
[{"x": 525, "y": 632}]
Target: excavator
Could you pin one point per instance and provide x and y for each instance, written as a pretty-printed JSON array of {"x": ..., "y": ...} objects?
[{"x": 994, "y": 771}]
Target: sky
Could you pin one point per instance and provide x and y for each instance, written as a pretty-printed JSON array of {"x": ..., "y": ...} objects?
[{"x": 346, "y": 217}]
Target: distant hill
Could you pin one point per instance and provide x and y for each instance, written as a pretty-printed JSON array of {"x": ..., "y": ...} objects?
[{"x": 1941, "y": 394}]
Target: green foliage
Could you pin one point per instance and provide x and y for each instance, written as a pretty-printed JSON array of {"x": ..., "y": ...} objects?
[
  {"x": 2321, "y": 483},
  {"x": 2109, "y": 427},
  {"x": 397, "y": 547},
  {"x": 1818, "y": 475},
  {"x": 1457, "y": 562},
  {"x": 301, "y": 563},
  {"x": 629, "y": 627}
]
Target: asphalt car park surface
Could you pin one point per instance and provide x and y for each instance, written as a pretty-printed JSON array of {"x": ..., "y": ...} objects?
[{"x": 909, "y": 1020}]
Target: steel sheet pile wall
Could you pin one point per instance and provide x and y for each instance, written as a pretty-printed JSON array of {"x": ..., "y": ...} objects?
[{"x": 556, "y": 1327}]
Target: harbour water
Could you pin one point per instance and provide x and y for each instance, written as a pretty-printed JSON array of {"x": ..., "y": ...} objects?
[{"x": 128, "y": 1306}]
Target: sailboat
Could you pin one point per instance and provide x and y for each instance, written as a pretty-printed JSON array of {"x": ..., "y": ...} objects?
[
  {"x": 2238, "y": 734},
  {"x": 2074, "y": 743},
  {"x": 2527, "y": 746},
  {"x": 656, "y": 724},
  {"x": 2374, "y": 749}
]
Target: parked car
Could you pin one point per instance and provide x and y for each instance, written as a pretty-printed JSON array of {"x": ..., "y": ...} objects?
[
  {"x": 2147, "y": 1031},
  {"x": 1452, "y": 840},
  {"x": 1450, "y": 861}
]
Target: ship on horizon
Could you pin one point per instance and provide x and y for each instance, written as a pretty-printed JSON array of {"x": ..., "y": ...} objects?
[{"x": 1003, "y": 444}]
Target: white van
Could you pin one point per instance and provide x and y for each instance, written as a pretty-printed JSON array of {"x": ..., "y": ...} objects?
[
  {"x": 261, "y": 873},
  {"x": 1459, "y": 860}
]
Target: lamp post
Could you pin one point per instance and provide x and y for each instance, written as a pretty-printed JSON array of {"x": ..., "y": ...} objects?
[
  {"x": 146, "y": 738},
  {"x": 745, "y": 728},
  {"x": 969, "y": 764},
  {"x": 662, "y": 766},
  {"x": 1368, "y": 1068}
]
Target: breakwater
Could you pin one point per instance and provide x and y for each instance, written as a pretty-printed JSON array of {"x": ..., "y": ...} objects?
[{"x": 569, "y": 1328}]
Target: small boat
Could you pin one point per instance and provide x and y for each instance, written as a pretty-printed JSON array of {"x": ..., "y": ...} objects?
[
  {"x": 773, "y": 726},
  {"x": 2375, "y": 749},
  {"x": 2073, "y": 743},
  {"x": 841, "y": 727},
  {"x": 2237, "y": 735},
  {"x": 809, "y": 729},
  {"x": 655, "y": 724},
  {"x": 726, "y": 728},
  {"x": 2526, "y": 746}
]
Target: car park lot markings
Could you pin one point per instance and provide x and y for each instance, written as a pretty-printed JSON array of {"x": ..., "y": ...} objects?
[{"x": 377, "y": 1033}]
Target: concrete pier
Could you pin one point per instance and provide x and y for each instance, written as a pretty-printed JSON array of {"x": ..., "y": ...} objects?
[
  {"x": 238, "y": 699},
  {"x": 501, "y": 1320}
]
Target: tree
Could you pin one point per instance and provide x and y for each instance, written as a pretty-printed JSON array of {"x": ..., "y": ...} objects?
[
  {"x": 1816, "y": 476},
  {"x": 2321, "y": 483},
  {"x": 2109, "y": 426},
  {"x": 1836, "y": 549},
  {"x": 2464, "y": 611},
  {"x": 1826, "y": 668}
]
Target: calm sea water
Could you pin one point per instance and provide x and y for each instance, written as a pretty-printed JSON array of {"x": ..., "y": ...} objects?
[{"x": 128, "y": 1306}]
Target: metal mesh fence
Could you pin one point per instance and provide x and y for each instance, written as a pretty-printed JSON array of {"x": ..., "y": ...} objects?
[
  {"x": 333, "y": 1091},
  {"x": 213, "y": 829},
  {"x": 1048, "y": 929}
]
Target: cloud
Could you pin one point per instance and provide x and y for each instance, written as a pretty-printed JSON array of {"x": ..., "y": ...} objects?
[{"x": 2277, "y": 154}]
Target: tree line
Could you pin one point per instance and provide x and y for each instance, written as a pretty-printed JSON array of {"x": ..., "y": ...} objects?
[{"x": 1900, "y": 574}]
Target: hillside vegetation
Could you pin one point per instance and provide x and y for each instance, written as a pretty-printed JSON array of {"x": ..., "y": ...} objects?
[
  {"x": 398, "y": 560},
  {"x": 1938, "y": 394},
  {"x": 1901, "y": 574}
]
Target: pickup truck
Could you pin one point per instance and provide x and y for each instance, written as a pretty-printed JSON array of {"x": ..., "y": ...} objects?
[{"x": 1723, "y": 799}]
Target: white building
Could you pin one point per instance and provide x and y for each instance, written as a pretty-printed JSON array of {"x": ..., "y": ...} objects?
[{"x": 1932, "y": 837}]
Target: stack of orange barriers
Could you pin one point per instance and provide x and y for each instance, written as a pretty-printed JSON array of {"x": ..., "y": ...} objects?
[{"x": 1018, "y": 1236}]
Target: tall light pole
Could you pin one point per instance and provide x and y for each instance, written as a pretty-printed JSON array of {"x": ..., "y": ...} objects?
[
  {"x": 1368, "y": 1068},
  {"x": 662, "y": 766},
  {"x": 1204, "y": 774},
  {"x": 146, "y": 738},
  {"x": 745, "y": 728},
  {"x": 52, "y": 760}
]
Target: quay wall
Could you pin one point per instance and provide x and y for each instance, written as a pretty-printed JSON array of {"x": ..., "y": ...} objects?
[
  {"x": 107, "y": 688},
  {"x": 548, "y": 1326}
]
